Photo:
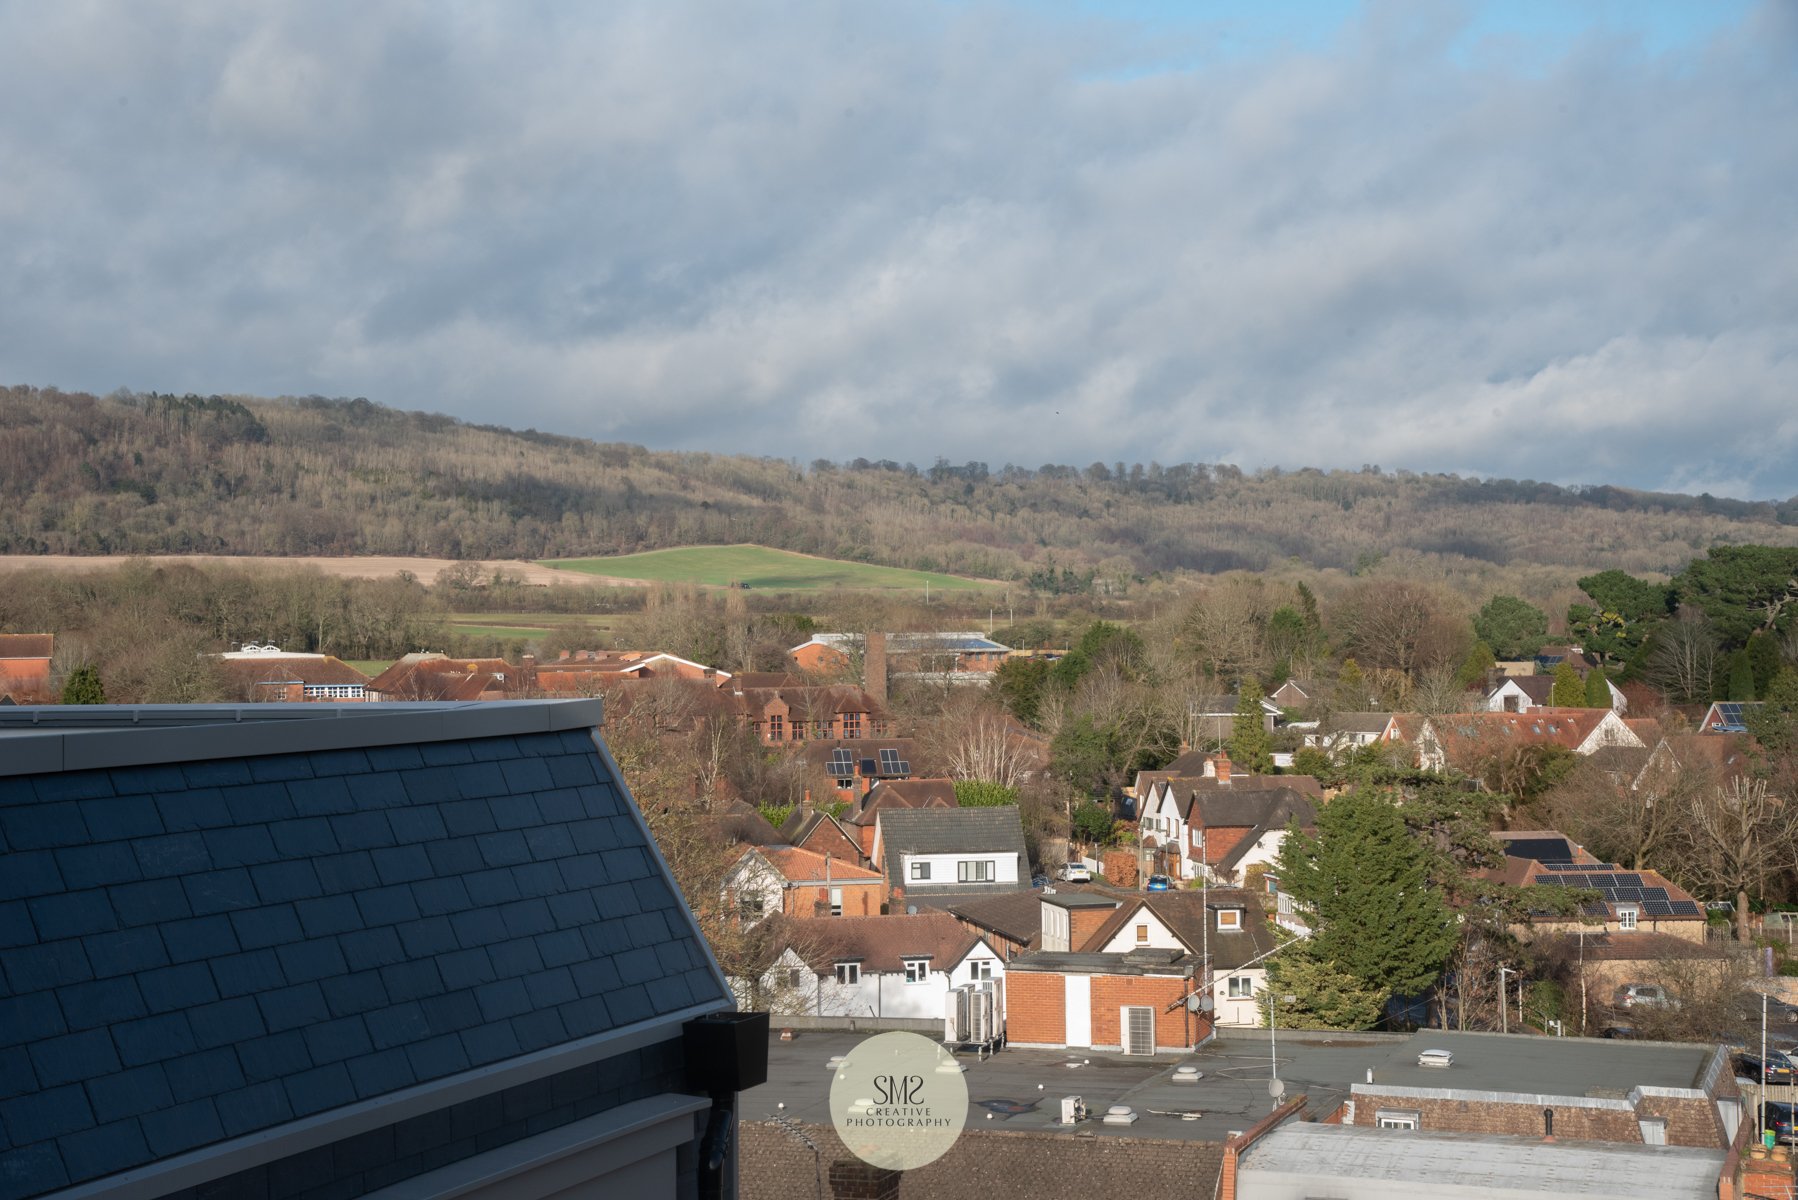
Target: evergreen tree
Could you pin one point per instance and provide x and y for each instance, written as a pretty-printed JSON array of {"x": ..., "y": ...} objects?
[
  {"x": 1250, "y": 746},
  {"x": 1741, "y": 677},
  {"x": 1569, "y": 690},
  {"x": 83, "y": 686},
  {"x": 1763, "y": 655},
  {"x": 1376, "y": 913},
  {"x": 1351, "y": 687},
  {"x": 1473, "y": 670},
  {"x": 1514, "y": 628},
  {"x": 1323, "y": 995},
  {"x": 1598, "y": 692}
]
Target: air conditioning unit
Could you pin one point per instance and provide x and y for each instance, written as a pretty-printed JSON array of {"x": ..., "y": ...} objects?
[
  {"x": 1073, "y": 1110},
  {"x": 957, "y": 1018},
  {"x": 981, "y": 1017}
]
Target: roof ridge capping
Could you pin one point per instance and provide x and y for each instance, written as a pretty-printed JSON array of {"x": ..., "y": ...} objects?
[{"x": 50, "y": 738}]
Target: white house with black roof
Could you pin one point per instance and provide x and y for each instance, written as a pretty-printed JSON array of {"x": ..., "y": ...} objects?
[
  {"x": 308, "y": 951},
  {"x": 951, "y": 852}
]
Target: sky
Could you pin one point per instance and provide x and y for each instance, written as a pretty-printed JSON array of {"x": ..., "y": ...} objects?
[{"x": 1526, "y": 239}]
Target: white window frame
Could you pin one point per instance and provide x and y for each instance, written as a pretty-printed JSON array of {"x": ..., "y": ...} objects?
[
  {"x": 917, "y": 970},
  {"x": 849, "y": 974},
  {"x": 1392, "y": 1118},
  {"x": 836, "y": 901},
  {"x": 980, "y": 968},
  {"x": 1626, "y": 917},
  {"x": 1240, "y": 987},
  {"x": 920, "y": 872},
  {"x": 1229, "y": 918},
  {"x": 976, "y": 870}
]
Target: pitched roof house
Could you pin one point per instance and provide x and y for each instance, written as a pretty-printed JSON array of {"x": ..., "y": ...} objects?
[
  {"x": 437, "y": 677},
  {"x": 1215, "y": 828},
  {"x": 895, "y": 966},
  {"x": 263, "y": 673},
  {"x": 313, "y": 950},
  {"x": 930, "y": 853},
  {"x": 1466, "y": 741},
  {"x": 801, "y": 884}
]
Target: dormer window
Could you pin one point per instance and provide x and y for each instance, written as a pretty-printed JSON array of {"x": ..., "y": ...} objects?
[
  {"x": 1626, "y": 917},
  {"x": 1229, "y": 918}
]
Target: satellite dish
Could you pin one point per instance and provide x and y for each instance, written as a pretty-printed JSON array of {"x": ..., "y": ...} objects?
[{"x": 1276, "y": 1088}]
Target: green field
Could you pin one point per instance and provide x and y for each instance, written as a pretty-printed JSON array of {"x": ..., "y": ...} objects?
[{"x": 760, "y": 567}]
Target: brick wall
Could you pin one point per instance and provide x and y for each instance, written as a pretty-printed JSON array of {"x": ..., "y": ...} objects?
[
  {"x": 827, "y": 838},
  {"x": 1036, "y": 1008},
  {"x": 1177, "y": 1030},
  {"x": 859, "y": 900},
  {"x": 775, "y": 1165},
  {"x": 1220, "y": 840},
  {"x": 1491, "y": 1116},
  {"x": 1083, "y": 923}
]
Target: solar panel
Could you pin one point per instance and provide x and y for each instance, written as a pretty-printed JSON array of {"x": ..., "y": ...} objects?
[
  {"x": 1630, "y": 879},
  {"x": 842, "y": 763},
  {"x": 1574, "y": 881},
  {"x": 892, "y": 764},
  {"x": 1657, "y": 895},
  {"x": 1685, "y": 908},
  {"x": 1550, "y": 852},
  {"x": 1657, "y": 908}
]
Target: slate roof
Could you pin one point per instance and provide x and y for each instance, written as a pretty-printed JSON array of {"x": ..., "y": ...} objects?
[
  {"x": 995, "y": 831},
  {"x": 245, "y": 918},
  {"x": 246, "y": 673},
  {"x": 1186, "y": 912},
  {"x": 1017, "y": 916},
  {"x": 27, "y": 645}
]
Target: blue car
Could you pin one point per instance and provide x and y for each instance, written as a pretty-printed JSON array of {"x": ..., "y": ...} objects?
[{"x": 1160, "y": 883}]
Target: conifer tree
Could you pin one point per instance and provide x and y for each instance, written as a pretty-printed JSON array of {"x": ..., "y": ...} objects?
[
  {"x": 1569, "y": 690},
  {"x": 1598, "y": 691},
  {"x": 83, "y": 686},
  {"x": 1250, "y": 747}
]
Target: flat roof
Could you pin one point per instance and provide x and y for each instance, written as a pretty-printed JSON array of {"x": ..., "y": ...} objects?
[
  {"x": 1494, "y": 1062},
  {"x": 1129, "y": 962},
  {"x": 1302, "y": 1158},
  {"x": 51, "y": 738},
  {"x": 1080, "y": 900}
]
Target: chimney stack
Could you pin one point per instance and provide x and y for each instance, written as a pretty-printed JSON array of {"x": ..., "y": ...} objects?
[
  {"x": 874, "y": 667},
  {"x": 1223, "y": 767}
]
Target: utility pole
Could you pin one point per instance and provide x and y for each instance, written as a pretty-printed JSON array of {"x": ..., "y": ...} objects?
[{"x": 1504, "y": 1001}]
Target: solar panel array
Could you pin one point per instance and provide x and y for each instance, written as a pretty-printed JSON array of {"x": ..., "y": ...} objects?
[
  {"x": 892, "y": 764},
  {"x": 1617, "y": 887},
  {"x": 1729, "y": 718},
  {"x": 842, "y": 763},
  {"x": 1547, "y": 851}
]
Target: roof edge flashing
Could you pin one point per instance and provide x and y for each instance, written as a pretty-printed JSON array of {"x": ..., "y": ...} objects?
[{"x": 52, "y": 739}]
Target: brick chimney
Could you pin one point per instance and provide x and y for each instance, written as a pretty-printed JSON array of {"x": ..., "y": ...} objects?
[
  {"x": 1223, "y": 767},
  {"x": 874, "y": 667},
  {"x": 1766, "y": 1174},
  {"x": 852, "y": 1179}
]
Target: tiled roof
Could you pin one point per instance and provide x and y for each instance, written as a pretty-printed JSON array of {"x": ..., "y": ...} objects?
[
  {"x": 951, "y": 831},
  {"x": 1185, "y": 913},
  {"x": 1357, "y": 722},
  {"x": 280, "y": 668},
  {"x": 27, "y": 645},
  {"x": 883, "y": 943},
  {"x": 1640, "y": 946},
  {"x": 894, "y": 795},
  {"x": 807, "y": 866},
  {"x": 436, "y": 677},
  {"x": 1014, "y": 915},
  {"x": 199, "y": 950}
]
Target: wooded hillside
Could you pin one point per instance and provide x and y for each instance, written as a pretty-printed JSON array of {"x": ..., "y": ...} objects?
[{"x": 136, "y": 474}]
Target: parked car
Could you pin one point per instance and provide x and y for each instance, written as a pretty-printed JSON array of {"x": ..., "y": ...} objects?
[
  {"x": 1159, "y": 883},
  {"x": 1776, "y": 1069},
  {"x": 1641, "y": 995},
  {"x": 1779, "y": 1118},
  {"x": 1039, "y": 882},
  {"x": 1074, "y": 873}
]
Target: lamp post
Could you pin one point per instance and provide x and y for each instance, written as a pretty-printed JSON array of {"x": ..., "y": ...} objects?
[{"x": 1504, "y": 1021}]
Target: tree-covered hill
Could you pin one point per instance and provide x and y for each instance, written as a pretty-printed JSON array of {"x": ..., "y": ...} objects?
[{"x": 138, "y": 474}]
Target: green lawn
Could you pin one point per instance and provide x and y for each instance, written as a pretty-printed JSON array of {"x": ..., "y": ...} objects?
[
  {"x": 760, "y": 567},
  {"x": 522, "y": 633},
  {"x": 370, "y": 666}
]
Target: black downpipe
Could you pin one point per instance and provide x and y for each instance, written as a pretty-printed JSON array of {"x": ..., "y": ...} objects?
[{"x": 717, "y": 1150}]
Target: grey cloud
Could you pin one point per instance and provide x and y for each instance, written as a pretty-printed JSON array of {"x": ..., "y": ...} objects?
[{"x": 903, "y": 231}]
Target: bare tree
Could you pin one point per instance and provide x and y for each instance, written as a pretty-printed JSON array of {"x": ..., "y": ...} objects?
[
  {"x": 975, "y": 739},
  {"x": 1401, "y": 625},
  {"x": 1733, "y": 839},
  {"x": 1684, "y": 661}
]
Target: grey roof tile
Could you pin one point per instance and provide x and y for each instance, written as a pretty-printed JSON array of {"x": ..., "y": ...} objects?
[
  {"x": 72, "y": 785},
  {"x": 107, "y": 1148},
  {"x": 31, "y": 1170},
  {"x": 313, "y": 930}
]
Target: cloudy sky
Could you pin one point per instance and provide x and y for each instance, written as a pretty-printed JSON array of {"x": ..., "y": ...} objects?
[{"x": 1486, "y": 238}]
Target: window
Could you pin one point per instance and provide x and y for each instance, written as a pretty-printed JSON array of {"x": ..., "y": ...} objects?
[
  {"x": 836, "y": 902},
  {"x": 980, "y": 968},
  {"x": 794, "y": 977},
  {"x": 333, "y": 691},
  {"x": 852, "y": 724},
  {"x": 1229, "y": 918},
  {"x": 752, "y": 906},
  {"x": 849, "y": 973},
  {"x": 917, "y": 970},
  {"x": 1626, "y": 917},
  {"x": 1387, "y": 1118},
  {"x": 1240, "y": 987},
  {"x": 777, "y": 728},
  {"x": 920, "y": 870},
  {"x": 799, "y": 731},
  {"x": 1142, "y": 934},
  {"x": 976, "y": 871}
]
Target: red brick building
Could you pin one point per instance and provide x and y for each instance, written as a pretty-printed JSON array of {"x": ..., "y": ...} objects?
[{"x": 1133, "y": 1003}]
